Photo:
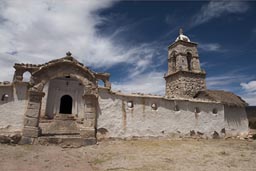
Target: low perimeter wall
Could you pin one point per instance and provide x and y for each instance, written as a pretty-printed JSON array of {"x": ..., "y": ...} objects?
[{"x": 170, "y": 118}]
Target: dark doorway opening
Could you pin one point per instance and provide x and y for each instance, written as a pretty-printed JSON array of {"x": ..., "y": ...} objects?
[{"x": 66, "y": 104}]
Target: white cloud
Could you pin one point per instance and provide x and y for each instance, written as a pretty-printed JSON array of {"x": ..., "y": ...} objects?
[
  {"x": 250, "y": 86},
  {"x": 215, "y": 9},
  {"x": 224, "y": 81},
  {"x": 39, "y": 31},
  {"x": 229, "y": 82},
  {"x": 250, "y": 92},
  {"x": 152, "y": 82},
  {"x": 250, "y": 99},
  {"x": 210, "y": 47}
]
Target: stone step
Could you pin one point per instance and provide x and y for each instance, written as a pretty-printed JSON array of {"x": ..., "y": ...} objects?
[
  {"x": 66, "y": 140},
  {"x": 59, "y": 127}
]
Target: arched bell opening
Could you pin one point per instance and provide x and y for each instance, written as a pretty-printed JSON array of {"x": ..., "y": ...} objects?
[{"x": 189, "y": 61}]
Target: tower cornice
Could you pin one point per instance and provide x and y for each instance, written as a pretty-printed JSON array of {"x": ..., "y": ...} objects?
[
  {"x": 202, "y": 72},
  {"x": 182, "y": 42}
]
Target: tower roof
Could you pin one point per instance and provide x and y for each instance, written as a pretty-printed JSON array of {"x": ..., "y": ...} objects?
[{"x": 182, "y": 36}]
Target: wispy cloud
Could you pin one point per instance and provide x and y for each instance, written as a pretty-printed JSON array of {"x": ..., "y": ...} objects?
[
  {"x": 212, "y": 47},
  {"x": 142, "y": 58},
  {"x": 237, "y": 83},
  {"x": 151, "y": 82},
  {"x": 45, "y": 30},
  {"x": 227, "y": 81},
  {"x": 215, "y": 9}
]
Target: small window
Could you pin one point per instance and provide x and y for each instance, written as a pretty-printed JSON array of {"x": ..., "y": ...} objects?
[
  {"x": 130, "y": 104},
  {"x": 197, "y": 110},
  {"x": 154, "y": 106},
  {"x": 214, "y": 111},
  {"x": 176, "y": 108},
  {"x": 4, "y": 96}
]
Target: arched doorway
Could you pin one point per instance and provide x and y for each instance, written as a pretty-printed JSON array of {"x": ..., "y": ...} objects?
[{"x": 66, "y": 104}]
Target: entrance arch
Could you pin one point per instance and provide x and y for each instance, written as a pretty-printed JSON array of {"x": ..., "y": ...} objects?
[
  {"x": 61, "y": 68},
  {"x": 66, "y": 104}
]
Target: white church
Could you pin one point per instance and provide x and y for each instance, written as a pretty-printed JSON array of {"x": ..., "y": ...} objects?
[{"x": 63, "y": 103}]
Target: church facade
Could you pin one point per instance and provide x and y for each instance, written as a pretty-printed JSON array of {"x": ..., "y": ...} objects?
[{"x": 63, "y": 103}]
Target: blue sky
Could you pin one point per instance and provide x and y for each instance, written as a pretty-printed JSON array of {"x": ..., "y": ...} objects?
[{"x": 129, "y": 39}]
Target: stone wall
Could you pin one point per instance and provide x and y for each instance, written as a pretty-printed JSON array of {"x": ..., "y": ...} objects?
[
  {"x": 13, "y": 108},
  {"x": 178, "y": 54},
  {"x": 184, "y": 84},
  {"x": 169, "y": 118}
]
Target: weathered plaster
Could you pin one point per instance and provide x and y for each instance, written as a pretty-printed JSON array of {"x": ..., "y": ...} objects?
[{"x": 142, "y": 120}]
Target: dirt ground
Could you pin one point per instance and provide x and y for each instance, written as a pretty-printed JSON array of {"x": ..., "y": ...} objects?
[{"x": 137, "y": 155}]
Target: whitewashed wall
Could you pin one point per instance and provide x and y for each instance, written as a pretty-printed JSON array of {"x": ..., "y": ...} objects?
[
  {"x": 236, "y": 121},
  {"x": 58, "y": 88},
  {"x": 120, "y": 121},
  {"x": 12, "y": 111}
]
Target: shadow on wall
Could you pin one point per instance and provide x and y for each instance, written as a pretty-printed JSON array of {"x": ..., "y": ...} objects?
[
  {"x": 235, "y": 115},
  {"x": 22, "y": 90},
  {"x": 16, "y": 91},
  {"x": 251, "y": 115}
]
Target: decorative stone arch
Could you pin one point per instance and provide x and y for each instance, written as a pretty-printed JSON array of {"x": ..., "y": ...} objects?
[
  {"x": 20, "y": 69},
  {"x": 62, "y": 69},
  {"x": 51, "y": 71}
]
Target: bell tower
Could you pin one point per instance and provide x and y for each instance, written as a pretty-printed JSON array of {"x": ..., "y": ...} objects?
[{"x": 185, "y": 76}]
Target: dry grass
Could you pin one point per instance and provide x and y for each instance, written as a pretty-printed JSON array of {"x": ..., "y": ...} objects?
[
  {"x": 145, "y": 155},
  {"x": 135, "y": 155}
]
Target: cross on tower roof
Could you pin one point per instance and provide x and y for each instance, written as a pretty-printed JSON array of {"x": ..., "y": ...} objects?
[
  {"x": 68, "y": 53},
  {"x": 181, "y": 31}
]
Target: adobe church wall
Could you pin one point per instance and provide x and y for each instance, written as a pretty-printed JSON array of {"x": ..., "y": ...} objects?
[
  {"x": 236, "y": 122},
  {"x": 171, "y": 118},
  {"x": 12, "y": 108}
]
